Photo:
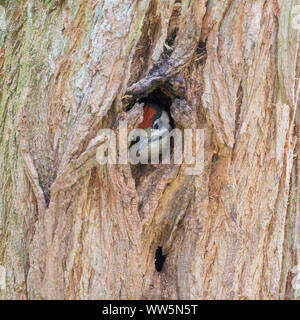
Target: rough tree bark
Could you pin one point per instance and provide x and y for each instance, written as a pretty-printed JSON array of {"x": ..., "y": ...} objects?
[{"x": 73, "y": 229}]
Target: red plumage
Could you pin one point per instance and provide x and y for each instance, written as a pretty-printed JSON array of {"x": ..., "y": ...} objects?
[{"x": 149, "y": 114}]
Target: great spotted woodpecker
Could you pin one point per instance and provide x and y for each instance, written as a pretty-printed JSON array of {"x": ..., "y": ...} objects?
[{"x": 155, "y": 138}]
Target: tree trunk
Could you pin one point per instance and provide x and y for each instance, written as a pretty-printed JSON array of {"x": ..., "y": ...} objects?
[{"x": 71, "y": 228}]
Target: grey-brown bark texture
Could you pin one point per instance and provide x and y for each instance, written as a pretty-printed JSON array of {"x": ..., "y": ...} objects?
[{"x": 73, "y": 229}]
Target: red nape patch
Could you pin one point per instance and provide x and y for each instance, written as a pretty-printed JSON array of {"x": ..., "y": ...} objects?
[{"x": 149, "y": 113}]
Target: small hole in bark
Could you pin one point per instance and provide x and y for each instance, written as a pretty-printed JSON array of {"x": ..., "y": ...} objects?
[
  {"x": 215, "y": 157},
  {"x": 159, "y": 259}
]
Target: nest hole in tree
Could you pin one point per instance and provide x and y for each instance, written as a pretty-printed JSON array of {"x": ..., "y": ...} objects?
[{"x": 162, "y": 97}]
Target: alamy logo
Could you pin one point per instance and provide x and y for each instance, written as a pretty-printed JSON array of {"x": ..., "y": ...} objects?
[
  {"x": 2, "y": 18},
  {"x": 153, "y": 147}
]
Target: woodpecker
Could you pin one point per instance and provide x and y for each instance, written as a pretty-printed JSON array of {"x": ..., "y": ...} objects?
[{"x": 155, "y": 138}]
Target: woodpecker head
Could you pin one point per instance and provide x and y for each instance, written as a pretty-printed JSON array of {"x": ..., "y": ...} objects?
[{"x": 156, "y": 123}]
